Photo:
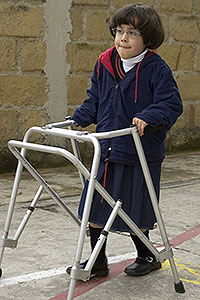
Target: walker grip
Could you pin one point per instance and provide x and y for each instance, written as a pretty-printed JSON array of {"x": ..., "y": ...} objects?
[{"x": 68, "y": 122}]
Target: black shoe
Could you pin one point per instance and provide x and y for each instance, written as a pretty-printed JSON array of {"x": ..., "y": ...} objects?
[
  {"x": 142, "y": 266},
  {"x": 98, "y": 270}
]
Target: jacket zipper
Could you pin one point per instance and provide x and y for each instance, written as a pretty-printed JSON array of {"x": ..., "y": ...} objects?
[{"x": 114, "y": 111}]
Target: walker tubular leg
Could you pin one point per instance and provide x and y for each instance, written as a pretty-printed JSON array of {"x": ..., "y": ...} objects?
[
  {"x": 86, "y": 211},
  {"x": 177, "y": 282},
  {"x": 5, "y": 242},
  {"x": 11, "y": 208},
  {"x": 103, "y": 236},
  {"x": 28, "y": 214},
  {"x": 12, "y": 201},
  {"x": 12, "y": 243},
  {"x": 127, "y": 219},
  {"x": 76, "y": 273}
]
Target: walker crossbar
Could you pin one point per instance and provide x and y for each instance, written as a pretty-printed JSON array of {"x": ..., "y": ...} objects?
[{"x": 76, "y": 136}]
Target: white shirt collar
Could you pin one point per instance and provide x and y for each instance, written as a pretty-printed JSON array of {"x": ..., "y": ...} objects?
[{"x": 129, "y": 63}]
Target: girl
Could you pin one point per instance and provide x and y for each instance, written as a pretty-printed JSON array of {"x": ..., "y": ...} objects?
[{"x": 131, "y": 84}]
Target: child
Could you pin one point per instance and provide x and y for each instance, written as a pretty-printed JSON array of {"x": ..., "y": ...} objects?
[{"x": 131, "y": 84}]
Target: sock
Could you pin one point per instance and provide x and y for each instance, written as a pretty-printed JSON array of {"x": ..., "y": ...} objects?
[
  {"x": 94, "y": 235},
  {"x": 141, "y": 248}
]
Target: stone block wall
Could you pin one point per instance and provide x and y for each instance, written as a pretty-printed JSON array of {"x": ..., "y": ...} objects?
[
  {"x": 22, "y": 78},
  {"x": 47, "y": 55}
]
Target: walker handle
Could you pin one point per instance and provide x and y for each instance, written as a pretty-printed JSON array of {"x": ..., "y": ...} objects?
[{"x": 62, "y": 124}]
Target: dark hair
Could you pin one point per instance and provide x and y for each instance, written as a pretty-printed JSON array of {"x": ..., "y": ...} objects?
[{"x": 143, "y": 18}]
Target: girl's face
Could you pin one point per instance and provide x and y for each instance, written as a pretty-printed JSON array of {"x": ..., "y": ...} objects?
[{"x": 128, "y": 41}]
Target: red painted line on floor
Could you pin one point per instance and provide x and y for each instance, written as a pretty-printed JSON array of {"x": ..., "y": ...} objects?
[
  {"x": 84, "y": 287},
  {"x": 187, "y": 235},
  {"x": 115, "y": 270}
]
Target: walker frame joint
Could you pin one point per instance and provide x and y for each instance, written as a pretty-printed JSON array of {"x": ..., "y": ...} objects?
[
  {"x": 8, "y": 243},
  {"x": 166, "y": 254},
  {"x": 80, "y": 274}
]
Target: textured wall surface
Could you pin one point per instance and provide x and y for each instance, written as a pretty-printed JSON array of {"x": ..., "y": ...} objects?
[
  {"x": 33, "y": 70},
  {"x": 47, "y": 55}
]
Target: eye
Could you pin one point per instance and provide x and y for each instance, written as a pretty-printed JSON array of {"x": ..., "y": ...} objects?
[
  {"x": 133, "y": 33},
  {"x": 119, "y": 31}
]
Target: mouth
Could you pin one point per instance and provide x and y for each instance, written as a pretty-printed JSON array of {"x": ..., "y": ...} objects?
[{"x": 124, "y": 47}]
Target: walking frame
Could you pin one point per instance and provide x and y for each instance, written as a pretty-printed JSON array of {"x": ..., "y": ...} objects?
[{"x": 65, "y": 129}]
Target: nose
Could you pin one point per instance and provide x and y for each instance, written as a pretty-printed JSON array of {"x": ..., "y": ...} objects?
[{"x": 124, "y": 37}]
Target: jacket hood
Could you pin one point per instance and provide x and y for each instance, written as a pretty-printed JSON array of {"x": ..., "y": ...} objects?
[{"x": 105, "y": 59}]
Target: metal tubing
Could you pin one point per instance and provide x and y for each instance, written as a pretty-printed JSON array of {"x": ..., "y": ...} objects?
[
  {"x": 80, "y": 166},
  {"x": 86, "y": 211},
  {"x": 174, "y": 271},
  {"x": 80, "y": 135},
  {"x": 102, "y": 237},
  {"x": 45, "y": 185},
  {"x": 127, "y": 219},
  {"x": 48, "y": 149},
  {"x": 93, "y": 183},
  {"x": 28, "y": 214},
  {"x": 150, "y": 187},
  {"x": 85, "y": 172},
  {"x": 71, "y": 289},
  {"x": 154, "y": 201},
  {"x": 60, "y": 124},
  {"x": 13, "y": 197},
  {"x": 76, "y": 152}
]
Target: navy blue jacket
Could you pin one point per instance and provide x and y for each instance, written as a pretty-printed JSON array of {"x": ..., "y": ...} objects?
[{"x": 148, "y": 91}]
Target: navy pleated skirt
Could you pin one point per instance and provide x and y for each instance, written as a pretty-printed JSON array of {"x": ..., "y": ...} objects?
[{"x": 126, "y": 183}]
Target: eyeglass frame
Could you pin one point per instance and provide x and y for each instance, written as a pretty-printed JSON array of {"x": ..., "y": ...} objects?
[{"x": 116, "y": 32}]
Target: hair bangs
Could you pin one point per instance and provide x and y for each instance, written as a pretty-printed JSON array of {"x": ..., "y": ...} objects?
[{"x": 127, "y": 15}]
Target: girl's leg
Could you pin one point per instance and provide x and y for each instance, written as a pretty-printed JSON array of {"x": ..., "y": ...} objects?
[
  {"x": 95, "y": 231},
  {"x": 100, "y": 268},
  {"x": 142, "y": 250},
  {"x": 145, "y": 262}
]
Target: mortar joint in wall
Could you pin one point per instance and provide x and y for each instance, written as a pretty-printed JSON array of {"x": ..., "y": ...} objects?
[
  {"x": 155, "y": 4},
  {"x": 84, "y": 37},
  {"x": 195, "y": 58},
  {"x": 111, "y": 6},
  {"x": 22, "y": 3},
  {"x": 18, "y": 56},
  {"x": 19, "y": 110},
  {"x": 194, "y": 7}
]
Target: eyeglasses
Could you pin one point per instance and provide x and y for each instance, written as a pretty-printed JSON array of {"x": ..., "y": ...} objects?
[{"x": 132, "y": 34}]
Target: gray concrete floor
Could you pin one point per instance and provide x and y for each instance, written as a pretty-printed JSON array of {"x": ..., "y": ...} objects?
[{"x": 36, "y": 269}]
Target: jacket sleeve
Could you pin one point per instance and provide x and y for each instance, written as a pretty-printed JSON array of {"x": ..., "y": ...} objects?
[
  {"x": 167, "y": 104},
  {"x": 86, "y": 114}
]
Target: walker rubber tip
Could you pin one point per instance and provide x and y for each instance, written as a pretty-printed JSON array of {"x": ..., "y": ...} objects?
[{"x": 179, "y": 287}]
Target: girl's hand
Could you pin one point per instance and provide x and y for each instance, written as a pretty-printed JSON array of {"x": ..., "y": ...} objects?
[{"x": 140, "y": 125}]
